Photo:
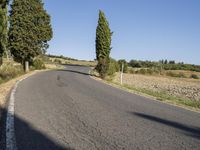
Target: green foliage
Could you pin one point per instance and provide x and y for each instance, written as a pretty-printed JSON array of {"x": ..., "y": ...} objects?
[
  {"x": 30, "y": 29},
  {"x": 113, "y": 67},
  {"x": 123, "y": 61},
  {"x": 131, "y": 70},
  {"x": 103, "y": 66},
  {"x": 194, "y": 76},
  {"x": 141, "y": 71},
  {"x": 9, "y": 71},
  {"x": 3, "y": 28},
  {"x": 147, "y": 71},
  {"x": 103, "y": 43},
  {"x": 171, "y": 65},
  {"x": 38, "y": 64},
  {"x": 177, "y": 75},
  {"x": 58, "y": 61}
]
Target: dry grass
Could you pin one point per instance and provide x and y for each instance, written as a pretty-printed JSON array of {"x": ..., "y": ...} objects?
[
  {"x": 185, "y": 88},
  {"x": 182, "y": 92},
  {"x": 83, "y": 63},
  {"x": 53, "y": 66},
  {"x": 74, "y": 62}
]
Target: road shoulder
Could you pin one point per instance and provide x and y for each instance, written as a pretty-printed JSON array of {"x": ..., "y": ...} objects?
[{"x": 5, "y": 91}]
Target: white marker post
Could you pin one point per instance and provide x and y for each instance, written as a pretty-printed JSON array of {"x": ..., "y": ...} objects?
[{"x": 122, "y": 73}]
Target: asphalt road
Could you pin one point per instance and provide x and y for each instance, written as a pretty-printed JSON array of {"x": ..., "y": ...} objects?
[{"x": 69, "y": 110}]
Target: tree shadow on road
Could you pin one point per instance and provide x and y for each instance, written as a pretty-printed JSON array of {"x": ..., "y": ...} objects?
[
  {"x": 187, "y": 130},
  {"x": 78, "y": 72},
  {"x": 86, "y": 72},
  {"x": 73, "y": 71},
  {"x": 29, "y": 138},
  {"x": 76, "y": 65}
]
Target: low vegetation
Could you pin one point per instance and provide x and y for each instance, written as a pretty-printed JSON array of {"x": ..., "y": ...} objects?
[
  {"x": 10, "y": 70},
  {"x": 38, "y": 64},
  {"x": 164, "y": 65},
  {"x": 184, "y": 92},
  {"x": 62, "y": 60},
  {"x": 181, "y": 87}
]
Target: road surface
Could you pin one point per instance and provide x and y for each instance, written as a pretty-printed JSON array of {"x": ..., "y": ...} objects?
[{"x": 67, "y": 109}]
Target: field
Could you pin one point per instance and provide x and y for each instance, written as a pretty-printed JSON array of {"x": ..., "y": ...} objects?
[
  {"x": 72, "y": 61},
  {"x": 178, "y": 90}
]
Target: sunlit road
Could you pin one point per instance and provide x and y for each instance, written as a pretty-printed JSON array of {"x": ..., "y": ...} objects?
[{"x": 69, "y": 110}]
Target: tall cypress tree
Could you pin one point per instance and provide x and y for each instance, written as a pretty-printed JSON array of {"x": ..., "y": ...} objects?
[
  {"x": 30, "y": 29},
  {"x": 3, "y": 28},
  {"x": 103, "y": 45}
]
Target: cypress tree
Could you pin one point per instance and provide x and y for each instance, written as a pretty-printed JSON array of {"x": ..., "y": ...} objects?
[
  {"x": 30, "y": 29},
  {"x": 103, "y": 43},
  {"x": 3, "y": 28}
]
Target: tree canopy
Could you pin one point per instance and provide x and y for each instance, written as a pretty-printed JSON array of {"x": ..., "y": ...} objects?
[
  {"x": 30, "y": 29},
  {"x": 3, "y": 27}
]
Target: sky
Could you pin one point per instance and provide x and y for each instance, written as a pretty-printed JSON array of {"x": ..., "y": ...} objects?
[{"x": 143, "y": 29}]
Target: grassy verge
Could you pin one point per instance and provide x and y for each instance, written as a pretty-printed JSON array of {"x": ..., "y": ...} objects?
[
  {"x": 9, "y": 71},
  {"x": 163, "y": 96},
  {"x": 160, "y": 96}
]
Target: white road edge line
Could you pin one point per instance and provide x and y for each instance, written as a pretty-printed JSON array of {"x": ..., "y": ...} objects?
[{"x": 10, "y": 129}]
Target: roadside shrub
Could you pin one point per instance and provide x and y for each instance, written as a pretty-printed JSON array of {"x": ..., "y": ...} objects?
[
  {"x": 67, "y": 62},
  {"x": 113, "y": 67},
  {"x": 38, "y": 64},
  {"x": 123, "y": 61},
  {"x": 131, "y": 70},
  {"x": 141, "y": 71},
  {"x": 58, "y": 61},
  {"x": 194, "y": 76},
  {"x": 181, "y": 75},
  {"x": 149, "y": 71},
  {"x": 171, "y": 74}
]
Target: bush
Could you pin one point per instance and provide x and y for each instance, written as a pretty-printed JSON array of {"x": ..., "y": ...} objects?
[
  {"x": 149, "y": 71},
  {"x": 194, "y": 76},
  {"x": 38, "y": 64},
  {"x": 113, "y": 67},
  {"x": 58, "y": 61},
  {"x": 141, "y": 71},
  {"x": 122, "y": 61},
  {"x": 131, "y": 70}
]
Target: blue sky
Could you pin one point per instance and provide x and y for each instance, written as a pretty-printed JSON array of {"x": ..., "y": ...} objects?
[{"x": 143, "y": 29}]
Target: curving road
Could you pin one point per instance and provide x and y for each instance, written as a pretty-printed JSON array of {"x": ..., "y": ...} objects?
[{"x": 67, "y": 109}]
